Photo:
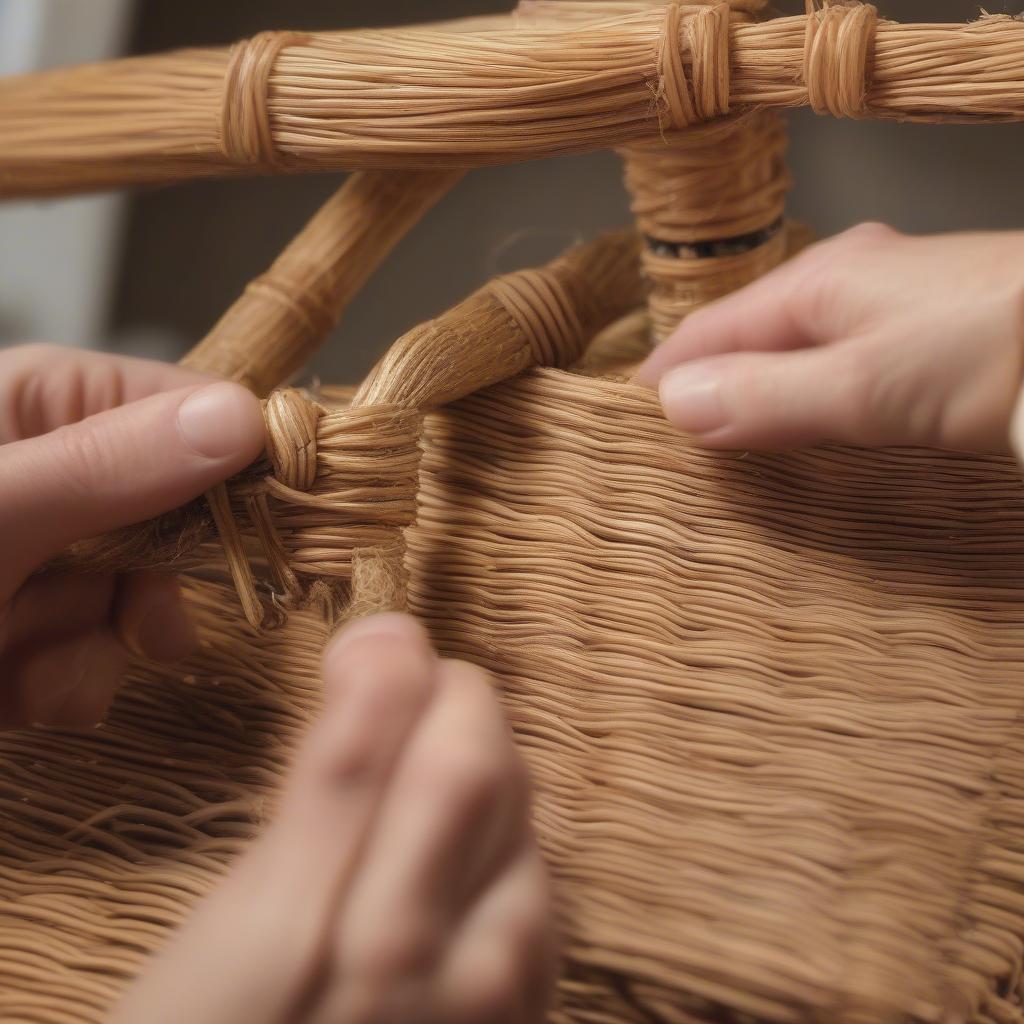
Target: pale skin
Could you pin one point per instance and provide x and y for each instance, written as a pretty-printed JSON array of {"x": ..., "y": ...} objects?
[
  {"x": 400, "y": 881},
  {"x": 870, "y": 338}
]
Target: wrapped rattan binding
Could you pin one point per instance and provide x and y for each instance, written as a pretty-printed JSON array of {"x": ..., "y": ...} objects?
[
  {"x": 428, "y": 97},
  {"x": 769, "y": 703}
]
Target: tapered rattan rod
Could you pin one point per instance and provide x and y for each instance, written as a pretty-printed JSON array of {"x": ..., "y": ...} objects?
[
  {"x": 284, "y": 315},
  {"x": 524, "y": 88}
]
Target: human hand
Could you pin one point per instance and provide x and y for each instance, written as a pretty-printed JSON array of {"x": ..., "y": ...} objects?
[
  {"x": 399, "y": 882},
  {"x": 871, "y": 338},
  {"x": 90, "y": 443}
]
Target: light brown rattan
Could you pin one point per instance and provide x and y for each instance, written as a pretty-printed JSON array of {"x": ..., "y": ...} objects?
[
  {"x": 428, "y": 97},
  {"x": 771, "y": 704}
]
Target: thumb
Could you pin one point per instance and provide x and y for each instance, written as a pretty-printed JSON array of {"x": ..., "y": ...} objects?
[
  {"x": 123, "y": 466},
  {"x": 769, "y": 400}
]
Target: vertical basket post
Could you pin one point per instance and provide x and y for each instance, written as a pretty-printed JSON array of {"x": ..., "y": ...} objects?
[{"x": 709, "y": 202}]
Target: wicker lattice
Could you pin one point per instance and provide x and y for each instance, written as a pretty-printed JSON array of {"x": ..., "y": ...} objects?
[{"x": 769, "y": 703}]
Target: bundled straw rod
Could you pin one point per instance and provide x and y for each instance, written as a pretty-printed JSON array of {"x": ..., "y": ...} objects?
[
  {"x": 285, "y": 314},
  {"x": 526, "y": 87}
]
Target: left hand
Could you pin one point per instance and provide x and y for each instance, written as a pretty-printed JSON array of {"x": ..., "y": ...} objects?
[{"x": 90, "y": 443}]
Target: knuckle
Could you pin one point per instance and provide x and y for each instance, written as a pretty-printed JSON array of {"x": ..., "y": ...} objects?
[
  {"x": 330, "y": 760},
  {"x": 84, "y": 459},
  {"x": 863, "y": 394},
  {"x": 351, "y": 760},
  {"x": 381, "y": 674},
  {"x": 468, "y": 780},
  {"x": 867, "y": 233},
  {"x": 404, "y": 951},
  {"x": 819, "y": 268}
]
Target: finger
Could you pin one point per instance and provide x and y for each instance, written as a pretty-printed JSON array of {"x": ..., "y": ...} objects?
[
  {"x": 124, "y": 465},
  {"x": 773, "y": 314},
  {"x": 43, "y": 387},
  {"x": 502, "y": 962},
  {"x": 832, "y": 290},
  {"x": 772, "y": 400},
  {"x": 379, "y": 676},
  {"x": 53, "y": 606},
  {"x": 1017, "y": 429},
  {"x": 151, "y": 619},
  {"x": 455, "y": 812},
  {"x": 68, "y": 684}
]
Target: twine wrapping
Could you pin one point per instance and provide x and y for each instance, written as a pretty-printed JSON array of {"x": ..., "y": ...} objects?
[
  {"x": 246, "y": 130},
  {"x": 512, "y": 88},
  {"x": 709, "y": 202},
  {"x": 837, "y": 56}
]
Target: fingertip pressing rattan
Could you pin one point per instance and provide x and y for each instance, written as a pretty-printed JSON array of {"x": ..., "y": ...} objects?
[{"x": 770, "y": 703}]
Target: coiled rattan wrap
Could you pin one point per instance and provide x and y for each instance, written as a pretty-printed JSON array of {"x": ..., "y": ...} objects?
[{"x": 771, "y": 704}]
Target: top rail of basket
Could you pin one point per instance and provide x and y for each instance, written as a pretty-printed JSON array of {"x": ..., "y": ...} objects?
[{"x": 549, "y": 79}]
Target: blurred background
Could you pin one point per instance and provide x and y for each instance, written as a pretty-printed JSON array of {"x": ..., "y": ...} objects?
[{"x": 148, "y": 273}]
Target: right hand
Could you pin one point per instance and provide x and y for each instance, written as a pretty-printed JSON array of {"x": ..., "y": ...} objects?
[
  {"x": 399, "y": 884},
  {"x": 870, "y": 338}
]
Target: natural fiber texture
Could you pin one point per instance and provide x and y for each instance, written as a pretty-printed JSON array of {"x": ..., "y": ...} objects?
[
  {"x": 522, "y": 88},
  {"x": 768, "y": 703},
  {"x": 709, "y": 205},
  {"x": 529, "y": 318},
  {"x": 284, "y": 315},
  {"x": 106, "y": 840}
]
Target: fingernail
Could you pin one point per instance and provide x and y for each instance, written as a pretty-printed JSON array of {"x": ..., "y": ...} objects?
[
  {"x": 220, "y": 419},
  {"x": 165, "y": 632},
  {"x": 692, "y": 399},
  {"x": 386, "y": 625}
]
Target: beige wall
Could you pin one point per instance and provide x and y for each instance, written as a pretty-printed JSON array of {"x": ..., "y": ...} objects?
[{"x": 190, "y": 249}]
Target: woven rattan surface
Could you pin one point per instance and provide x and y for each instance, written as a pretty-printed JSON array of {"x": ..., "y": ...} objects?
[{"x": 769, "y": 703}]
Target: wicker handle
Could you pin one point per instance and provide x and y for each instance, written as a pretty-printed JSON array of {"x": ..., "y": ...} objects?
[{"x": 529, "y": 318}]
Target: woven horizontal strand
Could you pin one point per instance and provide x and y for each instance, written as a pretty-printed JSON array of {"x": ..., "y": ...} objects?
[
  {"x": 770, "y": 703},
  {"x": 106, "y": 840}
]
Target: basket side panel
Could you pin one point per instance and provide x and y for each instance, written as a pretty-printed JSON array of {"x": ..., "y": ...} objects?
[{"x": 769, "y": 702}]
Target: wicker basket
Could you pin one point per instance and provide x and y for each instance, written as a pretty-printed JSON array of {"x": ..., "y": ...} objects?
[{"x": 769, "y": 702}]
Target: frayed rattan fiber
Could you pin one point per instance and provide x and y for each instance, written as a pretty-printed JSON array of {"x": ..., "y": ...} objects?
[{"x": 770, "y": 703}]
